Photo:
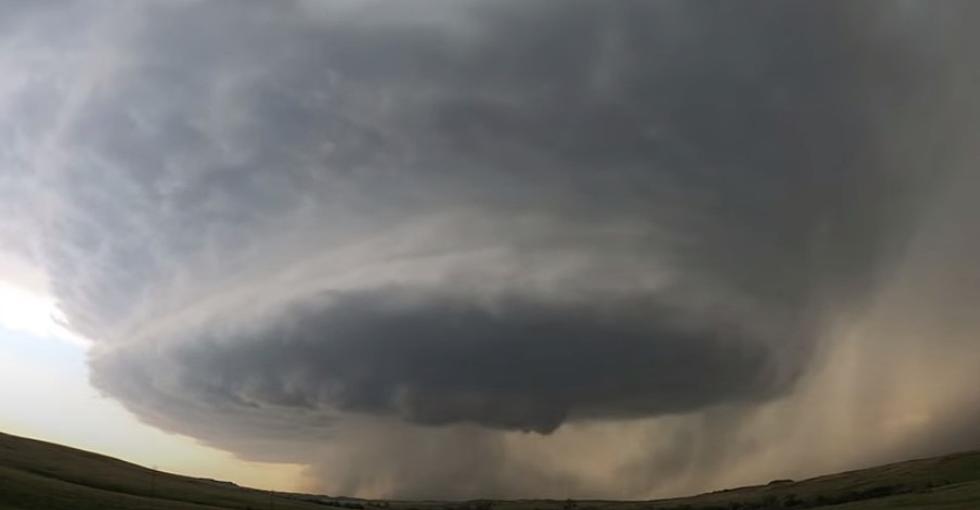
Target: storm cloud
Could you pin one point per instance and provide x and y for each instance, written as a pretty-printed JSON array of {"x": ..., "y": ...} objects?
[{"x": 295, "y": 227}]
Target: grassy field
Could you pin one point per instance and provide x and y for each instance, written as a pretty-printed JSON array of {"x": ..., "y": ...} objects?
[{"x": 39, "y": 475}]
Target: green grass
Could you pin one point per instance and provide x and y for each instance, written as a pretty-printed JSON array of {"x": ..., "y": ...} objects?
[{"x": 35, "y": 475}]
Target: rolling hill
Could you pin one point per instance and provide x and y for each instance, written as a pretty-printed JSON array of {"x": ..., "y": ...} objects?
[{"x": 40, "y": 475}]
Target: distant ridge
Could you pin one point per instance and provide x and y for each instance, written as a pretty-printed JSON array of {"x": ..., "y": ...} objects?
[{"x": 36, "y": 475}]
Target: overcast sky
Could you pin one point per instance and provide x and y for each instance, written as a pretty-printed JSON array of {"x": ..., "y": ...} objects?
[{"x": 442, "y": 248}]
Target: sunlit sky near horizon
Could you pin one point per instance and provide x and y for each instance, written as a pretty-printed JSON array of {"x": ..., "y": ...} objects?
[{"x": 46, "y": 395}]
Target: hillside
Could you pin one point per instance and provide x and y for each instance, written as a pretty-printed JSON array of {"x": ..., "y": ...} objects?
[{"x": 39, "y": 475}]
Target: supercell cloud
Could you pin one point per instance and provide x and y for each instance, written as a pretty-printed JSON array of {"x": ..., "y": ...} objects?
[{"x": 360, "y": 234}]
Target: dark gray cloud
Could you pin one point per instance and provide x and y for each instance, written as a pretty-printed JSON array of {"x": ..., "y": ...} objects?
[
  {"x": 438, "y": 359},
  {"x": 278, "y": 221},
  {"x": 618, "y": 157}
]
